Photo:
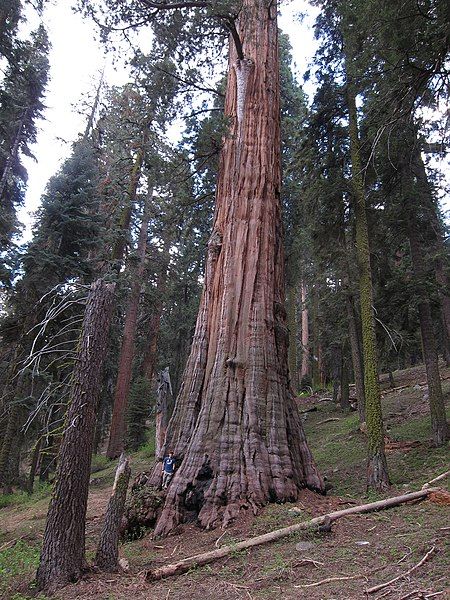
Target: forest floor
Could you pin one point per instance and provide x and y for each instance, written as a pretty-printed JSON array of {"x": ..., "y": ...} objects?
[{"x": 367, "y": 549}]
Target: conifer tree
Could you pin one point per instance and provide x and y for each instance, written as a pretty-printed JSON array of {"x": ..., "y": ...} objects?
[{"x": 21, "y": 105}]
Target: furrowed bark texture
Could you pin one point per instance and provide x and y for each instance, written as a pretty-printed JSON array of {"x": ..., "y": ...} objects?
[
  {"x": 62, "y": 556},
  {"x": 117, "y": 432},
  {"x": 107, "y": 557},
  {"x": 377, "y": 473},
  {"x": 235, "y": 424}
]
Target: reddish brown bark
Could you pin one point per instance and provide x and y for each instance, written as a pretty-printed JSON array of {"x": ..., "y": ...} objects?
[
  {"x": 63, "y": 554},
  {"x": 118, "y": 423},
  {"x": 235, "y": 426}
]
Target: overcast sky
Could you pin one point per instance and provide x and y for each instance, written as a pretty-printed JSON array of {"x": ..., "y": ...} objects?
[{"x": 76, "y": 62}]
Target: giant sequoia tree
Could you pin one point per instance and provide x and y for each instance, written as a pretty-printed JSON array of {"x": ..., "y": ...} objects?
[{"x": 235, "y": 424}]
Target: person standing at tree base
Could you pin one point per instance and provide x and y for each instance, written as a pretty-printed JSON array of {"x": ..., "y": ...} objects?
[{"x": 167, "y": 470}]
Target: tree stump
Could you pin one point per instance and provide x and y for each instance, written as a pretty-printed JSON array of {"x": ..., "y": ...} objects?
[
  {"x": 143, "y": 507},
  {"x": 107, "y": 557}
]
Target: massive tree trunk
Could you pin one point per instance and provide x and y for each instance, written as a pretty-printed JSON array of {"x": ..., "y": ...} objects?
[
  {"x": 63, "y": 555},
  {"x": 377, "y": 473},
  {"x": 236, "y": 426},
  {"x": 118, "y": 423}
]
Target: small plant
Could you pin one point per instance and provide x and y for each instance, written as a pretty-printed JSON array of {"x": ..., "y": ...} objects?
[{"x": 19, "y": 559}]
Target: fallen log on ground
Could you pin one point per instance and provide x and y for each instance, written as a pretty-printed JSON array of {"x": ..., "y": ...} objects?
[
  {"x": 436, "y": 479},
  {"x": 199, "y": 560}
]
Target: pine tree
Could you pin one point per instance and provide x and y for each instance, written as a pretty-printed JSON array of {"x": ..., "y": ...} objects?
[{"x": 21, "y": 105}]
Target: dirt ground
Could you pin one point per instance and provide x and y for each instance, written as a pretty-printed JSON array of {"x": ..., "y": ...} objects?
[{"x": 361, "y": 551}]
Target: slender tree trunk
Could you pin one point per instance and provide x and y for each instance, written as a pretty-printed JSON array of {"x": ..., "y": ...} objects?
[
  {"x": 10, "y": 438},
  {"x": 107, "y": 557},
  {"x": 120, "y": 244},
  {"x": 5, "y": 452},
  {"x": 117, "y": 433},
  {"x": 377, "y": 473},
  {"x": 235, "y": 425},
  {"x": 428, "y": 201},
  {"x": 48, "y": 459},
  {"x": 162, "y": 411},
  {"x": 292, "y": 326},
  {"x": 439, "y": 425},
  {"x": 63, "y": 554},
  {"x": 336, "y": 370},
  {"x": 34, "y": 465},
  {"x": 391, "y": 379},
  {"x": 305, "y": 370},
  {"x": 315, "y": 342},
  {"x": 345, "y": 392},
  {"x": 149, "y": 362},
  {"x": 12, "y": 155},
  {"x": 357, "y": 358}
]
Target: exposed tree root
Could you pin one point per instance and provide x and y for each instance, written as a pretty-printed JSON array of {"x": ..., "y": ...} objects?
[{"x": 202, "y": 559}]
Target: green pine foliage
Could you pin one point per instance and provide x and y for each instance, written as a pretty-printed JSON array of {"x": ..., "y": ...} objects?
[{"x": 140, "y": 409}]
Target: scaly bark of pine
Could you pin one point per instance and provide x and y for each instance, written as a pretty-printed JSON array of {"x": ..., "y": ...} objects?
[
  {"x": 63, "y": 554},
  {"x": 117, "y": 432},
  {"x": 377, "y": 473},
  {"x": 235, "y": 424}
]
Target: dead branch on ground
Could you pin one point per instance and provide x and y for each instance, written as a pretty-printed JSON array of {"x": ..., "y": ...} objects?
[
  {"x": 199, "y": 560},
  {"x": 381, "y": 586}
]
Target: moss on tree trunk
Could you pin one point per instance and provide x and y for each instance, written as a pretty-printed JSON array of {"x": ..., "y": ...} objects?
[{"x": 377, "y": 473}]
